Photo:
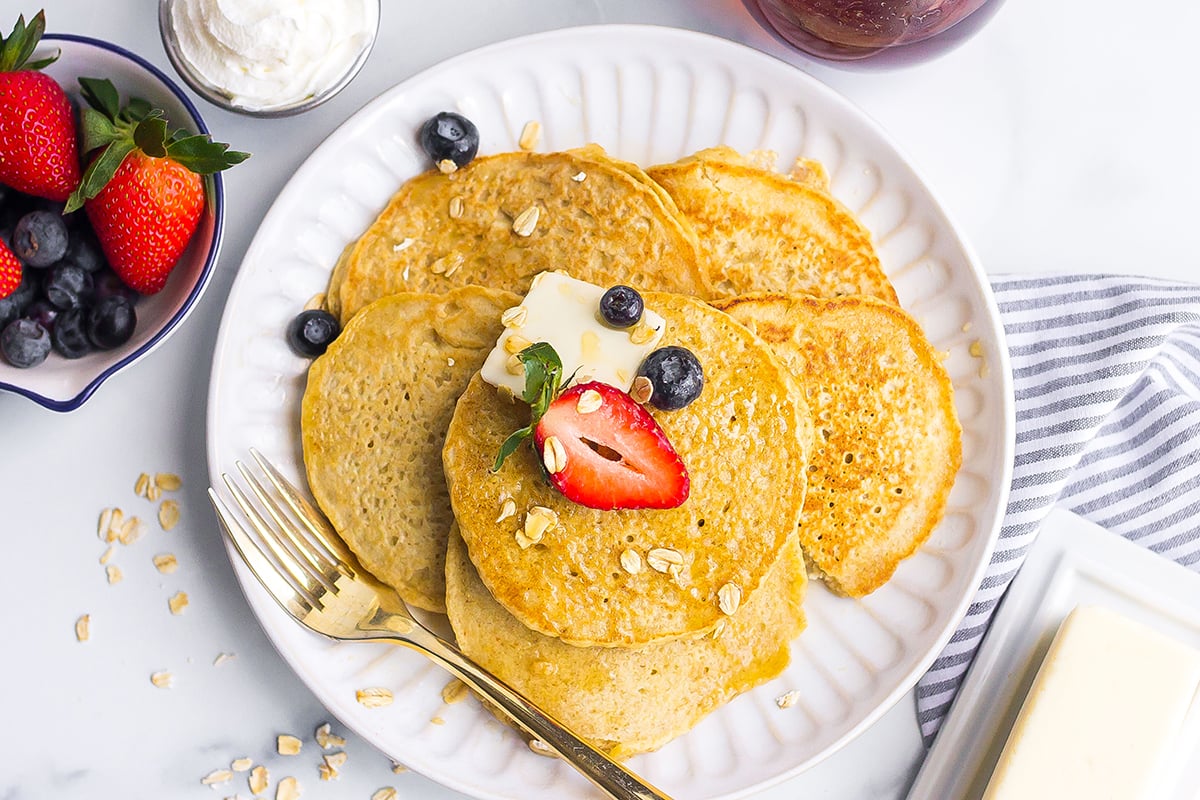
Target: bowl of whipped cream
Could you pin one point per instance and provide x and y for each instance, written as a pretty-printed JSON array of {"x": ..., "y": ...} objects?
[{"x": 268, "y": 58}]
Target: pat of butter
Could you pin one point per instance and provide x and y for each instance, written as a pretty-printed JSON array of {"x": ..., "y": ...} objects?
[
  {"x": 565, "y": 312},
  {"x": 1102, "y": 714}
]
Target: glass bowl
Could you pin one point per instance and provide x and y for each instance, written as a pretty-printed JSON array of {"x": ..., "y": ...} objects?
[{"x": 227, "y": 99}]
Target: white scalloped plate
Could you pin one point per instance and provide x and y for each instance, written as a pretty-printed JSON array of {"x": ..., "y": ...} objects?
[{"x": 648, "y": 95}]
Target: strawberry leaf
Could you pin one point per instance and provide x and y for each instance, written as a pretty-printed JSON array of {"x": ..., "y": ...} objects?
[
  {"x": 99, "y": 173},
  {"x": 150, "y": 136},
  {"x": 543, "y": 377},
  {"x": 138, "y": 109},
  {"x": 101, "y": 95},
  {"x": 97, "y": 130},
  {"x": 20, "y": 44},
  {"x": 200, "y": 154}
]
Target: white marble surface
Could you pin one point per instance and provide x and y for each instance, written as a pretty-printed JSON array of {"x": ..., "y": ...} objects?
[{"x": 1061, "y": 138}]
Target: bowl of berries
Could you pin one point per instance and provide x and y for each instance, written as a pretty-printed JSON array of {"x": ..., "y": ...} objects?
[{"x": 111, "y": 211}]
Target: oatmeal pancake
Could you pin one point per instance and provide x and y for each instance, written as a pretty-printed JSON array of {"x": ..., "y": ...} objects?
[
  {"x": 887, "y": 444},
  {"x": 764, "y": 232},
  {"x": 744, "y": 442},
  {"x": 504, "y": 218},
  {"x": 373, "y": 420},
  {"x": 630, "y": 701}
]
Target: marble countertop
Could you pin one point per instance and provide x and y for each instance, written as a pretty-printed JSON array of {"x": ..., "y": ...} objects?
[{"x": 1060, "y": 138}]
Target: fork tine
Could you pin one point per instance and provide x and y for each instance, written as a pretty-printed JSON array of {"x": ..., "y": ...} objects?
[
  {"x": 277, "y": 583},
  {"x": 292, "y": 537},
  {"x": 313, "y": 520},
  {"x": 285, "y": 560}
]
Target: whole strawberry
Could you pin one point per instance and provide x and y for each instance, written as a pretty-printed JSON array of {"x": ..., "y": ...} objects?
[
  {"x": 10, "y": 271},
  {"x": 38, "y": 154},
  {"x": 143, "y": 191}
]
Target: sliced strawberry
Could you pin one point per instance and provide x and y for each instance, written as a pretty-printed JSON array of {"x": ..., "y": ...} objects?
[
  {"x": 10, "y": 271},
  {"x": 616, "y": 456}
]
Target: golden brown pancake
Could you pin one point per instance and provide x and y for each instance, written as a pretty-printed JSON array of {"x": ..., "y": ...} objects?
[
  {"x": 744, "y": 441},
  {"x": 887, "y": 443},
  {"x": 763, "y": 232},
  {"x": 630, "y": 701},
  {"x": 373, "y": 420},
  {"x": 596, "y": 218}
]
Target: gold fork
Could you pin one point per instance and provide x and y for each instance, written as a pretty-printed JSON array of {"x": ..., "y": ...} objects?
[{"x": 312, "y": 574}]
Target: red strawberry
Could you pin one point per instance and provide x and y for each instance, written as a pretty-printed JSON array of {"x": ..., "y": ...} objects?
[
  {"x": 38, "y": 155},
  {"x": 10, "y": 271},
  {"x": 616, "y": 455},
  {"x": 143, "y": 192}
]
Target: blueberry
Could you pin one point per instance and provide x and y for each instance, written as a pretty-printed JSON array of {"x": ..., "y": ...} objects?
[
  {"x": 676, "y": 376},
  {"x": 69, "y": 338},
  {"x": 68, "y": 286},
  {"x": 84, "y": 251},
  {"x": 15, "y": 304},
  {"x": 311, "y": 331},
  {"x": 110, "y": 322},
  {"x": 107, "y": 283},
  {"x": 621, "y": 306},
  {"x": 450, "y": 136},
  {"x": 24, "y": 343},
  {"x": 42, "y": 312},
  {"x": 40, "y": 238}
]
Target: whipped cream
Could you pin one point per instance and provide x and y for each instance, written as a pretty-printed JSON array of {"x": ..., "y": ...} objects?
[{"x": 267, "y": 53}]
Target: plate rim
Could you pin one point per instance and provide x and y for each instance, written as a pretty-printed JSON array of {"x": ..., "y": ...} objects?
[{"x": 257, "y": 599}]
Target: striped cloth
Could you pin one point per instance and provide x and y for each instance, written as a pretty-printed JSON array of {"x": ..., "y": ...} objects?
[{"x": 1106, "y": 371}]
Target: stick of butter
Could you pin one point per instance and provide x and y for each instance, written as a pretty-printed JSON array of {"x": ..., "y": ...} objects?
[
  {"x": 565, "y": 312},
  {"x": 1102, "y": 714}
]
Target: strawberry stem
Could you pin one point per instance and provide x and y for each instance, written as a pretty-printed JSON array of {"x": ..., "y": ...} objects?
[{"x": 543, "y": 377}]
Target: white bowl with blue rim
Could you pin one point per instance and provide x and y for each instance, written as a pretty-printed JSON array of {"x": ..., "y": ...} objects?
[{"x": 65, "y": 384}]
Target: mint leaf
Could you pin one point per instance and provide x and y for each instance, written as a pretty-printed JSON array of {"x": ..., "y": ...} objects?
[{"x": 543, "y": 378}]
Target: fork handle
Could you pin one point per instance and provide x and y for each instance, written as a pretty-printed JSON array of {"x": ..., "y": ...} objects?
[{"x": 611, "y": 777}]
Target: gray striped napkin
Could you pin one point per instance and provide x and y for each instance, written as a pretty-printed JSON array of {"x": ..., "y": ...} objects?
[{"x": 1106, "y": 371}]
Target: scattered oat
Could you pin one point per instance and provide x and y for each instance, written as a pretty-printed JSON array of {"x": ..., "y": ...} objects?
[
  {"x": 631, "y": 562},
  {"x": 331, "y": 763},
  {"x": 976, "y": 349},
  {"x": 454, "y": 692},
  {"x": 259, "y": 778},
  {"x": 589, "y": 400},
  {"x": 104, "y": 525},
  {"x": 579, "y": 177},
  {"x": 131, "y": 531},
  {"x": 287, "y": 745},
  {"x": 516, "y": 343},
  {"x": 166, "y": 563},
  {"x": 169, "y": 481},
  {"x": 661, "y": 559},
  {"x": 315, "y": 302},
  {"x": 514, "y": 365},
  {"x": 729, "y": 597},
  {"x": 153, "y": 492},
  {"x": 545, "y": 668},
  {"x": 538, "y": 520},
  {"x": 641, "y": 390},
  {"x": 507, "y": 509},
  {"x": 447, "y": 265},
  {"x": 326, "y": 739},
  {"x": 222, "y": 658},
  {"x": 374, "y": 697},
  {"x": 457, "y": 207},
  {"x": 446, "y": 166},
  {"x": 177, "y": 603},
  {"x": 718, "y": 629},
  {"x": 531, "y": 134},
  {"x": 398, "y": 768},
  {"x": 966, "y": 326},
  {"x": 288, "y": 789},
  {"x": 163, "y": 680},
  {"x": 554, "y": 455},
  {"x": 141, "y": 485},
  {"x": 437, "y": 721},
  {"x": 642, "y": 333},
  {"x": 514, "y": 317},
  {"x": 83, "y": 628},
  {"x": 107, "y": 555},
  {"x": 217, "y": 776},
  {"x": 541, "y": 748},
  {"x": 241, "y": 764},
  {"x": 403, "y": 245},
  {"x": 449, "y": 362},
  {"x": 526, "y": 221},
  {"x": 787, "y": 699},
  {"x": 386, "y": 793},
  {"x": 168, "y": 514},
  {"x": 114, "y": 573},
  {"x": 404, "y": 272}
]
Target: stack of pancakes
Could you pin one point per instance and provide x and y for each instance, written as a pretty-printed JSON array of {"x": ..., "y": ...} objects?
[{"x": 825, "y": 441}]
